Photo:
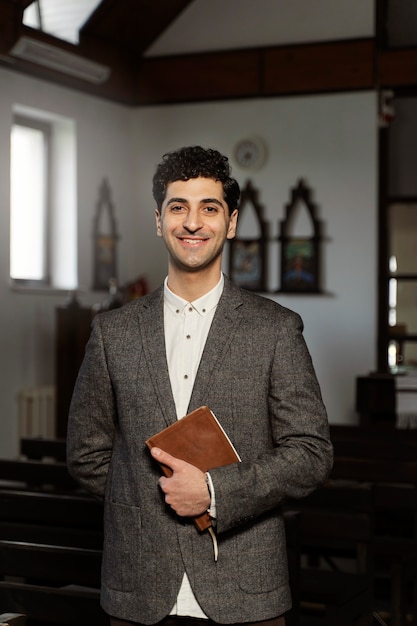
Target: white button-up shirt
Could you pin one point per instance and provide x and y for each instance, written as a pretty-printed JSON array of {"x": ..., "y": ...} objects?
[{"x": 187, "y": 325}]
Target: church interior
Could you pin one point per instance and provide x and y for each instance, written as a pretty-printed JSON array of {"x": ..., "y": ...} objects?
[{"x": 315, "y": 104}]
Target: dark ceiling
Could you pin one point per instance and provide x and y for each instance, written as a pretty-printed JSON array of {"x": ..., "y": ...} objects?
[{"x": 120, "y": 31}]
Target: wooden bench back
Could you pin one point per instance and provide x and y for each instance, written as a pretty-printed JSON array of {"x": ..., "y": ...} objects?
[
  {"x": 36, "y": 475},
  {"x": 50, "y": 557},
  {"x": 374, "y": 455},
  {"x": 50, "y": 564},
  {"x": 38, "y": 448},
  {"x": 68, "y": 520}
]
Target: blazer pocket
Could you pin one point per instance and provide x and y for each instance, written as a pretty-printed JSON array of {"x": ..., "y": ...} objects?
[
  {"x": 262, "y": 558},
  {"x": 121, "y": 552}
]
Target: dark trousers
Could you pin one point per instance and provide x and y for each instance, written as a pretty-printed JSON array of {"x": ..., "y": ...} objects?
[{"x": 174, "y": 620}]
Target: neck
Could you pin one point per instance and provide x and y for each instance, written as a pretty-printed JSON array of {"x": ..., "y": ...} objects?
[{"x": 190, "y": 285}]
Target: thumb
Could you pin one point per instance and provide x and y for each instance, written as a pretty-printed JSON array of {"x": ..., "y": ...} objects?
[{"x": 166, "y": 459}]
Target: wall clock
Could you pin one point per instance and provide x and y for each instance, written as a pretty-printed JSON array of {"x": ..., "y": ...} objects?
[{"x": 250, "y": 153}]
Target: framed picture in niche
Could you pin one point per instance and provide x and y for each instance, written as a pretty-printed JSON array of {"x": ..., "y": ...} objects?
[
  {"x": 247, "y": 256},
  {"x": 105, "y": 240},
  {"x": 246, "y": 268},
  {"x": 300, "y": 255},
  {"x": 299, "y": 265}
]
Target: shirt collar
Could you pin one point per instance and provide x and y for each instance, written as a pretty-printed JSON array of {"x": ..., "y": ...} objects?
[{"x": 202, "y": 305}]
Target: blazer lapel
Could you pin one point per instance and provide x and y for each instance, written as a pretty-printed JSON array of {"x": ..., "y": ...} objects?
[
  {"x": 225, "y": 324},
  {"x": 151, "y": 327}
]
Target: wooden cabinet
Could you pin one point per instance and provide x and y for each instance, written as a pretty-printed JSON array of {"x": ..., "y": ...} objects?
[{"x": 73, "y": 324}]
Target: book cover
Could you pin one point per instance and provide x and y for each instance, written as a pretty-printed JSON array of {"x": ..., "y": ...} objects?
[{"x": 199, "y": 439}]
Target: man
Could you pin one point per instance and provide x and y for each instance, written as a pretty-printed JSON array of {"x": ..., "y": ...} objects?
[{"x": 196, "y": 340}]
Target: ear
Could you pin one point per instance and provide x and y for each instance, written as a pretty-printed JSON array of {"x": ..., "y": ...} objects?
[
  {"x": 158, "y": 223},
  {"x": 231, "y": 230}
]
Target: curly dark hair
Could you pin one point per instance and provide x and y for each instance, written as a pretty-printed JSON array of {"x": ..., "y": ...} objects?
[{"x": 192, "y": 162}]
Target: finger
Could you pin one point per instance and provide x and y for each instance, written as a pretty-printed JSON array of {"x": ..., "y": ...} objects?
[{"x": 166, "y": 459}]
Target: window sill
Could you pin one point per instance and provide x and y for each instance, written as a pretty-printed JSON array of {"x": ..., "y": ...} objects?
[{"x": 31, "y": 288}]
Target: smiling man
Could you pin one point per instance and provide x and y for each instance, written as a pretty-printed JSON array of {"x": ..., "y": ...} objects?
[
  {"x": 194, "y": 222},
  {"x": 196, "y": 340}
]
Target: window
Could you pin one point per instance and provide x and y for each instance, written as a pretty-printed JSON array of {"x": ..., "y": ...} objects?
[
  {"x": 30, "y": 149},
  {"x": 43, "y": 216},
  {"x": 61, "y": 19}
]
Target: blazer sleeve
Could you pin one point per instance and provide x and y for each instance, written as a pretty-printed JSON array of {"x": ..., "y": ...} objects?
[
  {"x": 300, "y": 455},
  {"x": 91, "y": 422}
]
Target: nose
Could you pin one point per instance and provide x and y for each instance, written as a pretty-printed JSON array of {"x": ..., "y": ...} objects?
[{"x": 192, "y": 220}]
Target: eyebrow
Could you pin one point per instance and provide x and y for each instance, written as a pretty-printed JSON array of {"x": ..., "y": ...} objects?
[{"x": 203, "y": 201}]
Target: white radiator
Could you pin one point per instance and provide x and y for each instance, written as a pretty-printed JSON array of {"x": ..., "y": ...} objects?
[{"x": 37, "y": 412}]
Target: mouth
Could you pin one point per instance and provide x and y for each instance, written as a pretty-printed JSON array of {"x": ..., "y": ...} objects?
[{"x": 192, "y": 242}]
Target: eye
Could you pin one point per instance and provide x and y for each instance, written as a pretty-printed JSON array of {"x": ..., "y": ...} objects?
[
  {"x": 176, "y": 208},
  {"x": 211, "y": 209}
]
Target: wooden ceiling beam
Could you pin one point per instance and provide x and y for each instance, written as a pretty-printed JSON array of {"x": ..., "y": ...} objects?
[
  {"x": 199, "y": 77},
  {"x": 398, "y": 68},
  {"x": 283, "y": 70},
  {"x": 318, "y": 68},
  {"x": 11, "y": 15}
]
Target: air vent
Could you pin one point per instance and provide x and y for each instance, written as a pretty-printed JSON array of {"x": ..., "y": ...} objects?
[{"x": 60, "y": 60}]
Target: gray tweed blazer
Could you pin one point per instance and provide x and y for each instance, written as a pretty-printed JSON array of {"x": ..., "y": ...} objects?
[{"x": 257, "y": 377}]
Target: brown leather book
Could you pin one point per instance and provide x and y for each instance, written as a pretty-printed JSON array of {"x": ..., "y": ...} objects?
[{"x": 199, "y": 439}]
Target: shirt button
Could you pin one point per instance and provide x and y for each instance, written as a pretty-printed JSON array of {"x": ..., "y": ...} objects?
[
  {"x": 190, "y": 308},
  {"x": 204, "y": 310},
  {"x": 188, "y": 337},
  {"x": 185, "y": 376},
  {"x": 177, "y": 311}
]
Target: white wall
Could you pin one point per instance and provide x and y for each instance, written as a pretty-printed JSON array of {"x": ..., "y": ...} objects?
[
  {"x": 330, "y": 141},
  {"x": 27, "y": 321}
]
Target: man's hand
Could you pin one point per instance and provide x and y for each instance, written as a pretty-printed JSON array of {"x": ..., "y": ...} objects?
[{"x": 186, "y": 490}]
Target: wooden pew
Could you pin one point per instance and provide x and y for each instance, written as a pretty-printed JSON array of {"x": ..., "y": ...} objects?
[
  {"x": 58, "y": 606},
  {"x": 36, "y": 475},
  {"x": 62, "y": 509},
  {"x": 50, "y": 554},
  {"x": 38, "y": 448},
  {"x": 62, "y": 519},
  {"x": 50, "y": 564},
  {"x": 51, "y": 535},
  {"x": 386, "y": 458},
  {"x": 382, "y": 443},
  {"x": 336, "y": 576}
]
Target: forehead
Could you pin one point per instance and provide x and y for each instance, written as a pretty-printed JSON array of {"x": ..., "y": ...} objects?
[{"x": 195, "y": 189}]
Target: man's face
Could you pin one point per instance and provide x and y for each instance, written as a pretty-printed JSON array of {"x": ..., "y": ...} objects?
[{"x": 195, "y": 223}]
